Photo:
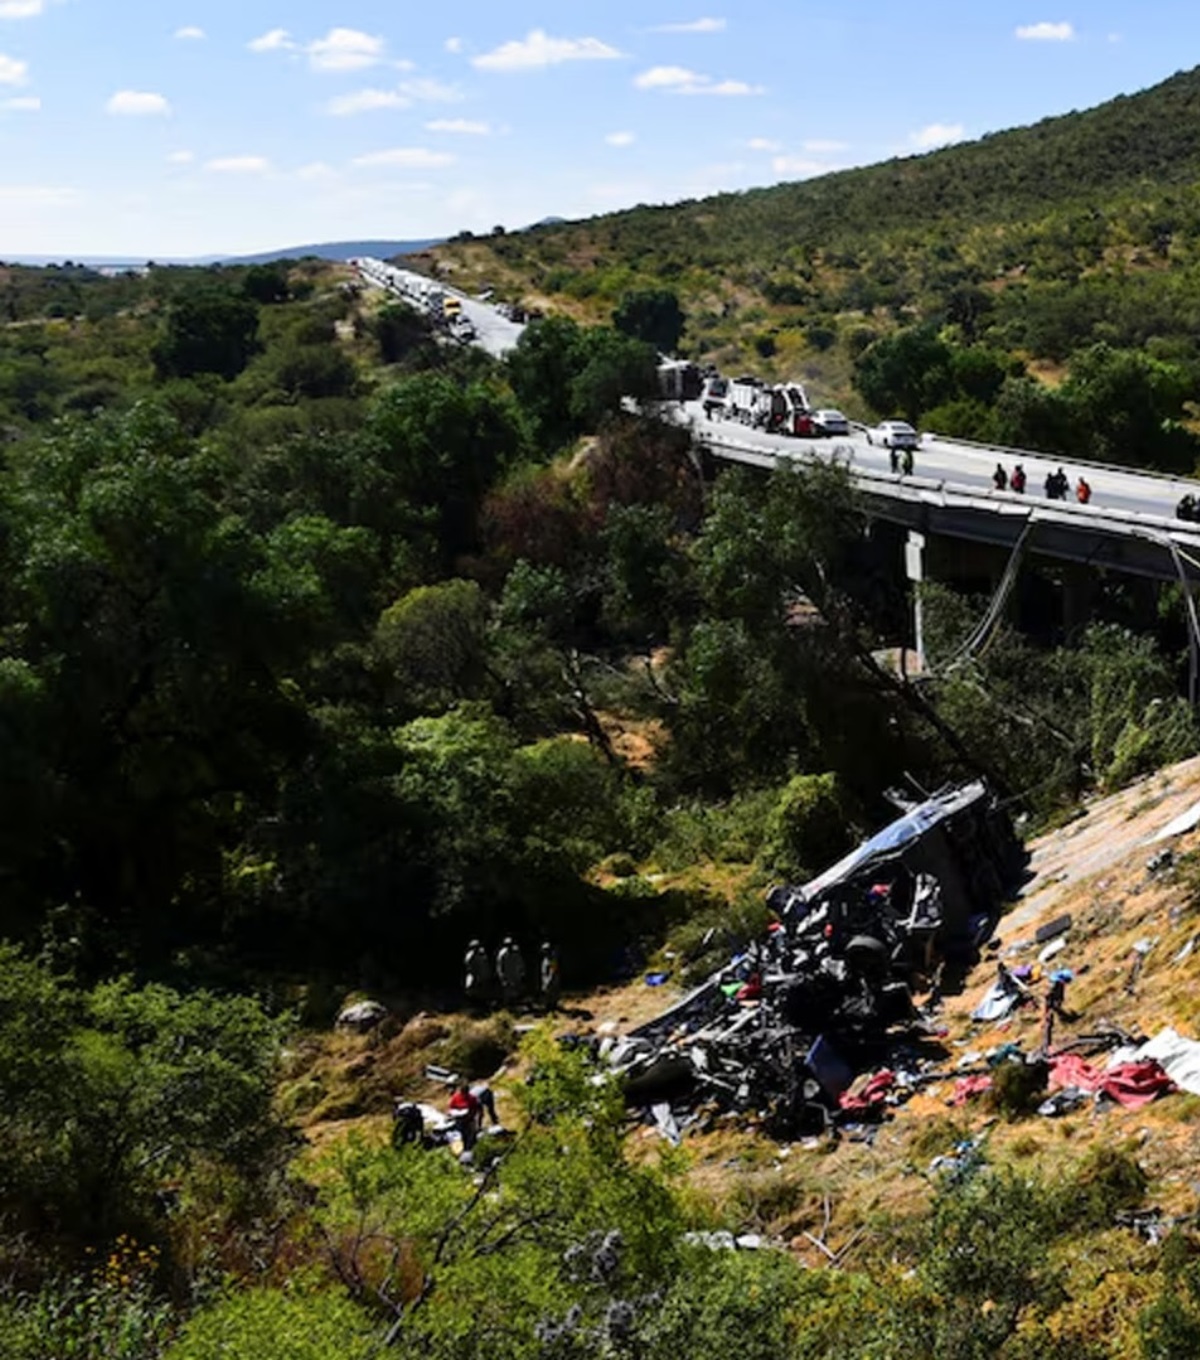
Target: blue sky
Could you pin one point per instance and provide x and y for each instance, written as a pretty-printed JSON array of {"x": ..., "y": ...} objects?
[{"x": 169, "y": 128}]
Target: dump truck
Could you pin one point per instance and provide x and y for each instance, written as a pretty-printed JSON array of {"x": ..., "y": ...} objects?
[{"x": 781, "y": 408}]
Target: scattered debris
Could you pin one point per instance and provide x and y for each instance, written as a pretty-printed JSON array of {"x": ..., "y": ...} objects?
[{"x": 779, "y": 1034}]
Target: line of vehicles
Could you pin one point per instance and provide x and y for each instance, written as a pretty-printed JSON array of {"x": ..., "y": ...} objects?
[{"x": 443, "y": 307}]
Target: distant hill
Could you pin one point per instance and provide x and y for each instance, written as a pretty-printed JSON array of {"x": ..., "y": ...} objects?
[
  {"x": 328, "y": 250},
  {"x": 1080, "y": 227},
  {"x": 337, "y": 250}
]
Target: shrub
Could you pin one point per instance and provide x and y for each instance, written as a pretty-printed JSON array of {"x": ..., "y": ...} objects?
[
  {"x": 272, "y": 1324},
  {"x": 807, "y": 828}
]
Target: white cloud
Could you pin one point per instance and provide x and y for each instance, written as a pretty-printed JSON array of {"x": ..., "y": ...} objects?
[
  {"x": 453, "y": 45},
  {"x": 407, "y": 157},
  {"x": 345, "y": 49},
  {"x": 680, "y": 80},
  {"x": 695, "y": 26},
  {"x": 727, "y": 88},
  {"x": 764, "y": 144},
  {"x": 539, "y": 50},
  {"x": 430, "y": 91},
  {"x": 21, "y": 9},
  {"x": 1046, "y": 32},
  {"x": 190, "y": 33},
  {"x": 620, "y": 139},
  {"x": 466, "y": 126},
  {"x": 238, "y": 165},
  {"x": 366, "y": 101},
  {"x": 936, "y": 134},
  {"x": 666, "y": 78},
  {"x": 821, "y": 147},
  {"x": 12, "y": 71},
  {"x": 138, "y": 104},
  {"x": 181, "y": 158},
  {"x": 24, "y": 103},
  {"x": 276, "y": 40}
]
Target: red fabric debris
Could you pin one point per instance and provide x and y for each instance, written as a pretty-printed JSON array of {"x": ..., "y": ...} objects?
[
  {"x": 1131, "y": 1085},
  {"x": 966, "y": 1087},
  {"x": 751, "y": 989},
  {"x": 871, "y": 1096}
]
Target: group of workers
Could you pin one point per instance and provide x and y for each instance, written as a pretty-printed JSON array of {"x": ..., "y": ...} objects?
[
  {"x": 505, "y": 980},
  {"x": 900, "y": 460},
  {"x": 464, "y": 1119},
  {"x": 1057, "y": 484}
]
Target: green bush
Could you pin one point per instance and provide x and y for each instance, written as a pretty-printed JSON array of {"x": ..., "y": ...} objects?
[
  {"x": 807, "y": 828},
  {"x": 274, "y": 1324}
]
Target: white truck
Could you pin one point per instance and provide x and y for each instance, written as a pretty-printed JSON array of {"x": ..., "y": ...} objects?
[{"x": 781, "y": 408}]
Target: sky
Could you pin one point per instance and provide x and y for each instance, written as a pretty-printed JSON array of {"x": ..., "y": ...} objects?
[{"x": 178, "y": 128}]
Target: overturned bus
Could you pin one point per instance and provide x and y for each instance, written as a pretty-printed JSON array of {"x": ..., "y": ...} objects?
[{"x": 784, "y": 1027}]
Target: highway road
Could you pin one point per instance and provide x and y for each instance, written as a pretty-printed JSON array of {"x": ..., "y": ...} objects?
[
  {"x": 493, "y": 332},
  {"x": 957, "y": 465},
  {"x": 969, "y": 467}
]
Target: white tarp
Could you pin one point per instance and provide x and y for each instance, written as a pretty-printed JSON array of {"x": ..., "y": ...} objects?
[
  {"x": 1186, "y": 821},
  {"x": 1177, "y": 1056}
]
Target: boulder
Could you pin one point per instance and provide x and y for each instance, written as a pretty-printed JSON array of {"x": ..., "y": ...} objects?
[{"x": 362, "y": 1016}]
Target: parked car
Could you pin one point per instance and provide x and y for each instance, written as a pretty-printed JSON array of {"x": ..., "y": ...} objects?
[
  {"x": 893, "y": 434},
  {"x": 830, "y": 422}
]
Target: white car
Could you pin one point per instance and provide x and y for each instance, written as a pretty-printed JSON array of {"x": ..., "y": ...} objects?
[
  {"x": 830, "y": 422},
  {"x": 894, "y": 434}
]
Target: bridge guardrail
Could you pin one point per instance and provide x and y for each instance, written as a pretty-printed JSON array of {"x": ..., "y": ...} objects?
[{"x": 1065, "y": 512}]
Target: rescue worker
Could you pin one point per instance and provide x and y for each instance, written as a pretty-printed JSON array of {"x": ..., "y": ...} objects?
[
  {"x": 1000, "y": 478},
  {"x": 467, "y": 1113},
  {"x": 1061, "y": 485},
  {"x": 1083, "y": 491},
  {"x": 894, "y": 459},
  {"x": 906, "y": 462},
  {"x": 510, "y": 971},
  {"x": 477, "y": 974},
  {"x": 1018, "y": 480},
  {"x": 1186, "y": 509},
  {"x": 549, "y": 979}
]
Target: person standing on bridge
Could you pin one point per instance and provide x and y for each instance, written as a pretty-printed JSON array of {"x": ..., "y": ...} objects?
[
  {"x": 1018, "y": 480},
  {"x": 1083, "y": 491},
  {"x": 1000, "y": 478},
  {"x": 906, "y": 462},
  {"x": 894, "y": 458}
]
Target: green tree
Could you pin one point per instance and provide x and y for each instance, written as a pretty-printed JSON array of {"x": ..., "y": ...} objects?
[
  {"x": 432, "y": 644},
  {"x": 444, "y": 447},
  {"x": 266, "y": 283},
  {"x": 653, "y": 315},
  {"x": 208, "y": 329},
  {"x": 105, "y": 1095},
  {"x": 906, "y": 373}
]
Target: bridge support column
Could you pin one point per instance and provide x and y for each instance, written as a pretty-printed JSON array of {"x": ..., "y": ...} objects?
[{"x": 914, "y": 565}]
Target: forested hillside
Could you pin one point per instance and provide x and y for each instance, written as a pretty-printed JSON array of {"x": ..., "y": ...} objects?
[
  {"x": 327, "y": 643},
  {"x": 1075, "y": 239}
]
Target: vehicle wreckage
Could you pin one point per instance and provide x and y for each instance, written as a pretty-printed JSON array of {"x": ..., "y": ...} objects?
[{"x": 783, "y": 1029}]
